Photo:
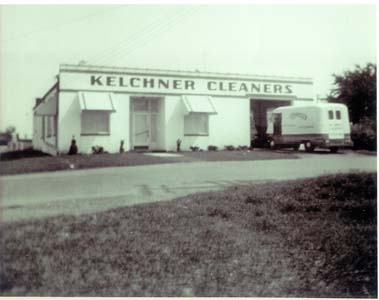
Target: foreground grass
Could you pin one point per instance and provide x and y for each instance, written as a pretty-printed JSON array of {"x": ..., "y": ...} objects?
[
  {"x": 309, "y": 238},
  {"x": 67, "y": 162}
]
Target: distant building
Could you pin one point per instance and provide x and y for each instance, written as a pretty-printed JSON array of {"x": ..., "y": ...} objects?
[
  {"x": 152, "y": 109},
  {"x": 10, "y": 143},
  {"x": 5, "y": 139}
]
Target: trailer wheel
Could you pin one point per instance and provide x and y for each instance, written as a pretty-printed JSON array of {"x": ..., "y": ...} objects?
[
  {"x": 273, "y": 145},
  {"x": 334, "y": 149},
  {"x": 296, "y": 147},
  {"x": 309, "y": 147}
]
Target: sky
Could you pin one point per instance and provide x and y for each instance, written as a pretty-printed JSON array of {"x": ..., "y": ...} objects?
[{"x": 283, "y": 40}]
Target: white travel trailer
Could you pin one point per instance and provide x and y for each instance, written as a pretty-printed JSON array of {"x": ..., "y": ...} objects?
[{"x": 323, "y": 125}]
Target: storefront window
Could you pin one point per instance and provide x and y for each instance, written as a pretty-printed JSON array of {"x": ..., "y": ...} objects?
[
  {"x": 95, "y": 122},
  {"x": 50, "y": 126},
  {"x": 141, "y": 105},
  {"x": 196, "y": 124}
]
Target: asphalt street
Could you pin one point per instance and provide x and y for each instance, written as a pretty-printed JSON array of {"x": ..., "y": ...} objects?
[{"x": 78, "y": 192}]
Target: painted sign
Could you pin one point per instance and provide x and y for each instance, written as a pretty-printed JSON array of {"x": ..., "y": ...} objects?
[
  {"x": 179, "y": 85},
  {"x": 187, "y": 84}
]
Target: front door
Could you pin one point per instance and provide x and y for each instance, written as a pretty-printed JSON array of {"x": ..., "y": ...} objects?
[
  {"x": 141, "y": 130},
  {"x": 145, "y": 114}
]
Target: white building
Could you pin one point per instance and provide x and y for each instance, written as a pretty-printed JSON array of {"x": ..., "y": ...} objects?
[{"x": 152, "y": 109}]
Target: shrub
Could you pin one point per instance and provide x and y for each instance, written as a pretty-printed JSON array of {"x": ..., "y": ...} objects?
[
  {"x": 363, "y": 135},
  {"x": 97, "y": 150},
  {"x": 230, "y": 148},
  {"x": 212, "y": 148},
  {"x": 194, "y": 148},
  {"x": 243, "y": 148}
]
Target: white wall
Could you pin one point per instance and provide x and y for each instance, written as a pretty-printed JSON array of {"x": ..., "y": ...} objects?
[
  {"x": 37, "y": 132},
  {"x": 69, "y": 124},
  {"x": 231, "y": 125}
]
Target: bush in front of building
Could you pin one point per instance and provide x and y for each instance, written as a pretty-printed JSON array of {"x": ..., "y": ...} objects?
[
  {"x": 230, "y": 148},
  {"x": 212, "y": 148},
  {"x": 98, "y": 150},
  {"x": 363, "y": 135}
]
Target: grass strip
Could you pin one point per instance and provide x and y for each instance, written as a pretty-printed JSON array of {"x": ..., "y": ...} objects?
[{"x": 304, "y": 238}]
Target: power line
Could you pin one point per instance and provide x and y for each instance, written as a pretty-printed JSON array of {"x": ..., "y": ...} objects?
[
  {"x": 131, "y": 44},
  {"x": 141, "y": 37},
  {"x": 57, "y": 26},
  {"x": 124, "y": 41}
]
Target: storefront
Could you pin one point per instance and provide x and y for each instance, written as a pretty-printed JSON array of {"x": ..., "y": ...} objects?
[{"x": 152, "y": 109}]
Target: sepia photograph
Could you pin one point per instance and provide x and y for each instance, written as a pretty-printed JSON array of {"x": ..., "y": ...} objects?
[{"x": 195, "y": 149}]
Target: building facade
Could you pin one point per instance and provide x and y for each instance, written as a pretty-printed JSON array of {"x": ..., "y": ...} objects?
[{"x": 153, "y": 109}]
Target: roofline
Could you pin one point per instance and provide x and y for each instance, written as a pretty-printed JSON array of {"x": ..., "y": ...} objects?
[
  {"x": 313, "y": 104},
  {"x": 47, "y": 93},
  {"x": 165, "y": 72}
]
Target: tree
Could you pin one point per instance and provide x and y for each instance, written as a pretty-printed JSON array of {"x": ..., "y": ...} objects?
[{"x": 357, "y": 89}]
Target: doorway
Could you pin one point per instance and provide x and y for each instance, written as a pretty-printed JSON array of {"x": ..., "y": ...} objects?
[
  {"x": 260, "y": 116},
  {"x": 145, "y": 116}
]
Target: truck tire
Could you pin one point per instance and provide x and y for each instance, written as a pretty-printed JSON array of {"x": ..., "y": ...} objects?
[
  {"x": 334, "y": 149},
  {"x": 309, "y": 147},
  {"x": 296, "y": 147}
]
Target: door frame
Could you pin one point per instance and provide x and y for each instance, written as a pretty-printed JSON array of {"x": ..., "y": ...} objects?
[
  {"x": 148, "y": 125},
  {"x": 150, "y": 145}
]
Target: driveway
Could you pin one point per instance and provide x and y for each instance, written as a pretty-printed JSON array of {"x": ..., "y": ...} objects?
[{"x": 94, "y": 190}]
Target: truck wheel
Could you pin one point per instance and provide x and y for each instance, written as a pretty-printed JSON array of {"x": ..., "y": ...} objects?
[
  {"x": 309, "y": 147},
  {"x": 296, "y": 147},
  {"x": 334, "y": 149},
  {"x": 273, "y": 145}
]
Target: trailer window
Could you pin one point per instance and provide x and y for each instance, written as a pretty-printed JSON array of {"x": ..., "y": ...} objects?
[
  {"x": 331, "y": 115},
  {"x": 338, "y": 115}
]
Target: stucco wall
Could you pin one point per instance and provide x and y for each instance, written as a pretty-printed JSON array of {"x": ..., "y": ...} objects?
[
  {"x": 69, "y": 124},
  {"x": 37, "y": 132},
  {"x": 230, "y": 126}
]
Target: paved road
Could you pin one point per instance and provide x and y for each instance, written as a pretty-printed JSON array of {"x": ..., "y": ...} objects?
[{"x": 86, "y": 191}]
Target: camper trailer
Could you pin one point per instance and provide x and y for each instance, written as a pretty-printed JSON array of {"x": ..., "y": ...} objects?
[{"x": 316, "y": 125}]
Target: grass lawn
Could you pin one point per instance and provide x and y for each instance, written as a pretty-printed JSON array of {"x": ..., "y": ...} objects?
[
  {"x": 305, "y": 238},
  {"x": 66, "y": 162}
]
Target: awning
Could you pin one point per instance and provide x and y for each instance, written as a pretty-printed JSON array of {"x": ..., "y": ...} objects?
[
  {"x": 47, "y": 108},
  {"x": 199, "y": 104},
  {"x": 96, "y": 101}
]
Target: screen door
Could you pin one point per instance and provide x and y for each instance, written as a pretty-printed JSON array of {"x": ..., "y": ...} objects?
[{"x": 141, "y": 129}]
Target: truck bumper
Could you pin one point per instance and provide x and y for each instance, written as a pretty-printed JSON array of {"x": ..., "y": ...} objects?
[{"x": 329, "y": 143}]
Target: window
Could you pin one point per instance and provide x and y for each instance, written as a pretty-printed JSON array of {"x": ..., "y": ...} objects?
[
  {"x": 338, "y": 115},
  {"x": 95, "y": 122},
  {"x": 43, "y": 127},
  {"x": 141, "y": 105},
  {"x": 331, "y": 115},
  {"x": 50, "y": 126},
  {"x": 196, "y": 124}
]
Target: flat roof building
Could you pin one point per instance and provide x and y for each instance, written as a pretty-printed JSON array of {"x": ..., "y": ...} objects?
[{"x": 151, "y": 109}]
